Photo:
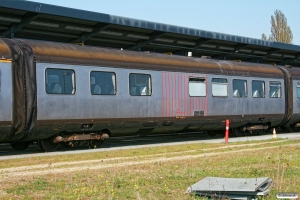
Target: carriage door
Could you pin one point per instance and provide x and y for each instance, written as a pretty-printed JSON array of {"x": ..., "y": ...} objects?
[{"x": 197, "y": 102}]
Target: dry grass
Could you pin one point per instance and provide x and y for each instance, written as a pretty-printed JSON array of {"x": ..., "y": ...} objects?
[{"x": 149, "y": 173}]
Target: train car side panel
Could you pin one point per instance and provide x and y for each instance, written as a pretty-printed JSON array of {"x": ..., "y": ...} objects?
[
  {"x": 123, "y": 112},
  {"x": 296, "y": 102},
  {"x": 180, "y": 95},
  {"x": 5, "y": 91},
  {"x": 169, "y": 96},
  {"x": 84, "y": 105},
  {"x": 296, "y": 99},
  {"x": 295, "y": 76},
  {"x": 246, "y": 100},
  {"x": 246, "y": 104},
  {"x": 5, "y": 98}
]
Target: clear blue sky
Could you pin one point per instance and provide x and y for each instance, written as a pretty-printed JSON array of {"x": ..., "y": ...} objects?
[{"x": 247, "y": 18}]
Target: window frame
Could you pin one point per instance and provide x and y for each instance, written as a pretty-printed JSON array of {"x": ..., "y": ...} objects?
[
  {"x": 151, "y": 87},
  {"x": 263, "y": 91},
  {"x": 115, "y": 89},
  {"x": 280, "y": 90},
  {"x": 196, "y": 77},
  {"x": 246, "y": 90},
  {"x": 75, "y": 87},
  {"x": 226, "y": 88},
  {"x": 298, "y": 94}
]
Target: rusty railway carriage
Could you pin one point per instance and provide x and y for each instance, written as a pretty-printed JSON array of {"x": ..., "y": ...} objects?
[{"x": 66, "y": 93}]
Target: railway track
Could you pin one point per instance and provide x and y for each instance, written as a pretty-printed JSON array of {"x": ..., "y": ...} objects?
[{"x": 6, "y": 151}]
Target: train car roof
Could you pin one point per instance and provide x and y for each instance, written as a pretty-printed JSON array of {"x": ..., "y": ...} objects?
[
  {"x": 31, "y": 20},
  {"x": 54, "y": 52},
  {"x": 4, "y": 51}
]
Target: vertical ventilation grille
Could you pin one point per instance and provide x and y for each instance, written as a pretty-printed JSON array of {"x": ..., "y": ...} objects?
[{"x": 198, "y": 112}]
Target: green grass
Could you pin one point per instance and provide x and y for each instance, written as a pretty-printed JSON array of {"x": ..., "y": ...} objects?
[{"x": 155, "y": 173}]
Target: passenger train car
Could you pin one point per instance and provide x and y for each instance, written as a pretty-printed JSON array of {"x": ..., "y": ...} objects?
[{"x": 69, "y": 94}]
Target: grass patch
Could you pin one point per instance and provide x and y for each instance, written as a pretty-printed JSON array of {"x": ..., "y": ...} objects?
[
  {"x": 127, "y": 153},
  {"x": 152, "y": 173}
]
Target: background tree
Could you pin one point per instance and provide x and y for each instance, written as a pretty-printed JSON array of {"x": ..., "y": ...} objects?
[{"x": 280, "y": 31}]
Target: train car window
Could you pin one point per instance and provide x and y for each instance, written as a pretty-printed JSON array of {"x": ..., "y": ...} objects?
[
  {"x": 103, "y": 83},
  {"x": 60, "y": 81},
  {"x": 258, "y": 89},
  {"x": 219, "y": 87},
  {"x": 275, "y": 89},
  {"x": 239, "y": 88},
  {"x": 140, "y": 85},
  {"x": 197, "y": 87},
  {"x": 298, "y": 90}
]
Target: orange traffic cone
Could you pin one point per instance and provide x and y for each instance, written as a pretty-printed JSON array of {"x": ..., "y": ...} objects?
[{"x": 274, "y": 133}]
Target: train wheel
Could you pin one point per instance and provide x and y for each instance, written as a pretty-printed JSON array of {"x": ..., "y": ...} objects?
[
  {"x": 290, "y": 128},
  {"x": 283, "y": 128},
  {"x": 238, "y": 133},
  {"x": 48, "y": 145},
  {"x": 38, "y": 143},
  {"x": 19, "y": 146},
  {"x": 260, "y": 132},
  {"x": 95, "y": 143},
  {"x": 212, "y": 133}
]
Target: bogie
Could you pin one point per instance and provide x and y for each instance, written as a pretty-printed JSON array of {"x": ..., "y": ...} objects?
[
  {"x": 19, "y": 146},
  {"x": 48, "y": 144}
]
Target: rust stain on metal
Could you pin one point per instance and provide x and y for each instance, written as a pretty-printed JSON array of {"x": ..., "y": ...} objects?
[
  {"x": 4, "y": 52},
  {"x": 75, "y": 54},
  {"x": 75, "y": 137}
]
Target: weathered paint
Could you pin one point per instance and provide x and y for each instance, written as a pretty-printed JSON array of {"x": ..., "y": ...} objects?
[{"x": 176, "y": 100}]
